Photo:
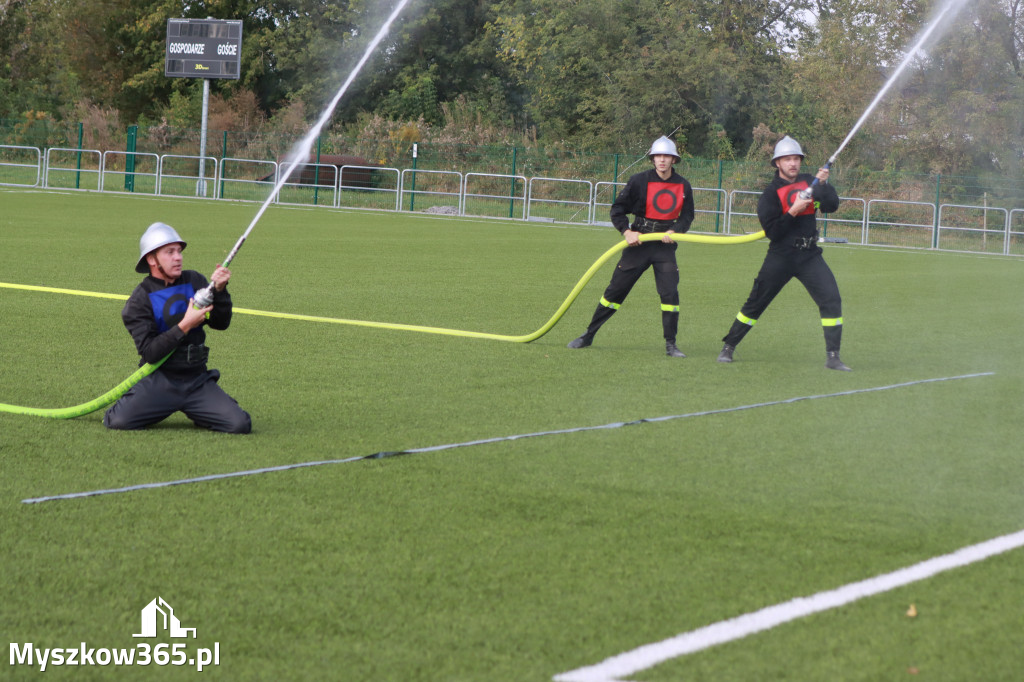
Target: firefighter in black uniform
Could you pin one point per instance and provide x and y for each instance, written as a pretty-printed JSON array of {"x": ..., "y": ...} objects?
[
  {"x": 789, "y": 222},
  {"x": 162, "y": 320},
  {"x": 660, "y": 200}
]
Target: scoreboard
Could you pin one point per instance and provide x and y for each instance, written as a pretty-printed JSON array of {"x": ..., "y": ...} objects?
[{"x": 203, "y": 48}]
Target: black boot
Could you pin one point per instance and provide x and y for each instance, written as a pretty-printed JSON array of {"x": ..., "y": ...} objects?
[
  {"x": 601, "y": 316},
  {"x": 581, "y": 342},
  {"x": 833, "y": 337},
  {"x": 669, "y": 327},
  {"x": 832, "y": 361},
  {"x": 726, "y": 354}
]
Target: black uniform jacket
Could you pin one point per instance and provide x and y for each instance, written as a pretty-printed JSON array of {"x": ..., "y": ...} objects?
[
  {"x": 646, "y": 195},
  {"x": 154, "y": 310},
  {"x": 773, "y": 206}
]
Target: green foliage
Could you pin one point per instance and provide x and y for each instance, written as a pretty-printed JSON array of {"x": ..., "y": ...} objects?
[
  {"x": 33, "y": 73},
  {"x": 185, "y": 109},
  {"x": 956, "y": 107},
  {"x": 964, "y": 111},
  {"x": 601, "y": 75},
  {"x": 440, "y": 53},
  {"x": 415, "y": 97},
  {"x": 607, "y": 72},
  {"x": 719, "y": 147}
]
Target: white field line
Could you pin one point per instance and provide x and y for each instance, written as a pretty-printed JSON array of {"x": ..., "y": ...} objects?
[
  {"x": 650, "y": 655},
  {"x": 486, "y": 441}
]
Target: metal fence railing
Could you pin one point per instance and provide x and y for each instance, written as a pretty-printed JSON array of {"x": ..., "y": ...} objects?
[
  {"x": 370, "y": 187},
  {"x": 498, "y": 196},
  {"x": 534, "y": 160},
  {"x": 1015, "y": 232},
  {"x": 871, "y": 221},
  {"x": 20, "y": 166},
  {"x": 900, "y": 223},
  {"x": 187, "y": 175},
  {"x": 67, "y": 168},
  {"x": 559, "y": 200}
]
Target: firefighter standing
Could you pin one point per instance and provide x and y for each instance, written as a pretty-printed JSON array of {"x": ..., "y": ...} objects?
[
  {"x": 789, "y": 222},
  {"x": 660, "y": 200}
]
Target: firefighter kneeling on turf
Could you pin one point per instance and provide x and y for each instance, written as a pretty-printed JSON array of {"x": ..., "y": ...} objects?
[
  {"x": 661, "y": 200},
  {"x": 162, "y": 320}
]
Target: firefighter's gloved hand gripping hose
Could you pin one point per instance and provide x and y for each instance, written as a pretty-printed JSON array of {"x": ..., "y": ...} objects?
[{"x": 111, "y": 396}]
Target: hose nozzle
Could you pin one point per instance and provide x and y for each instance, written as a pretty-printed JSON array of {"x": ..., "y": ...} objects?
[
  {"x": 807, "y": 193},
  {"x": 203, "y": 297}
]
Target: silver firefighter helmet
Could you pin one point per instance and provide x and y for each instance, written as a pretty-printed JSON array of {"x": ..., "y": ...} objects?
[
  {"x": 787, "y": 146},
  {"x": 663, "y": 145},
  {"x": 155, "y": 236}
]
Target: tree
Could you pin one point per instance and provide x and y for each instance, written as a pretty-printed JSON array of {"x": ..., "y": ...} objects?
[
  {"x": 840, "y": 64},
  {"x": 33, "y": 76},
  {"x": 956, "y": 107},
  {"x": 438, "y": 54},
  {"x": 116, "y": 47},
  {"x": 605, "y": 72},
  {"x": 960, "y": 112}
]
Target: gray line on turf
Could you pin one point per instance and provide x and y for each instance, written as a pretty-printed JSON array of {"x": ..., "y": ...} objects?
[{"x": 487, "y": 441}]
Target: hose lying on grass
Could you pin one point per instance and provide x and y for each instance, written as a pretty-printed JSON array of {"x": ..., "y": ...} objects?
[
  {"x": 111, "y": 396},
  {"x": 108, "y": 398}
]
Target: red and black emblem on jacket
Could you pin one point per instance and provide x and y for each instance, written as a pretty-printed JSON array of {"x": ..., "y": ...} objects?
[
  {"x": 664, "y": 200},
  {"x": 788, "y": 194}
]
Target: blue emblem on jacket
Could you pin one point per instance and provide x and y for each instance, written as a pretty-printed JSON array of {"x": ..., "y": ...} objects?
[{"x": 169, "y": 304}]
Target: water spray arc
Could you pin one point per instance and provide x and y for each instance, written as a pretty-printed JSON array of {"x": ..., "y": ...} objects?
[
  {"x": 935, "y": 23},
  {"x": 204, "y": 297}
]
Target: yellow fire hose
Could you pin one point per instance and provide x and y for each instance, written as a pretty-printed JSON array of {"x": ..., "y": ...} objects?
[{"x": 111, "y": 396}]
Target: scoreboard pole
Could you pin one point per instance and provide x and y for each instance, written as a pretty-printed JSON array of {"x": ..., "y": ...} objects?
[{"x": 201, "y": 183}]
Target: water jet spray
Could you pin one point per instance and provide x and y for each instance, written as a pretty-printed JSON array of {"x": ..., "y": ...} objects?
[
  {"x": 936, "y": 22},
  {"x": 204, "y": 296}
]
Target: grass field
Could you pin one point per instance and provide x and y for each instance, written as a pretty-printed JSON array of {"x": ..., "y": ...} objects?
[{"x": 517, "y": 559}]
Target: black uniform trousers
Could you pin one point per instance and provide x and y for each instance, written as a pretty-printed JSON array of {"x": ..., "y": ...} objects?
[
  {"x": 633, "y": 263},
  {"x": 161, "y": 394},
  {"x": 779, "y": 267}
]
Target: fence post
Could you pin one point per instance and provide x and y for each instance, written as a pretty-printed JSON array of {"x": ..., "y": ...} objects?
[
  {"x": 129, "y": 161},
  {"x": 203, "y": 129},
  {"x": 78, "y": 165},
  {"x": 935, "y": 226},
  {"x": 718, "y": 204},
  {"x": 412, "y": 197},
  {"x": 512, "y": 188},
  {"x": 223, "y": 155},
  {"x": 316, "y": 172}
]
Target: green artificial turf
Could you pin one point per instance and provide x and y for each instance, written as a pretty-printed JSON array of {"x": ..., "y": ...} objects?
[{"x": 518, "y": 559}]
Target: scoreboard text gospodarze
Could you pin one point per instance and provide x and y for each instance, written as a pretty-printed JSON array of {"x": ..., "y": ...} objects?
[{"x": 203, "y": 48}]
